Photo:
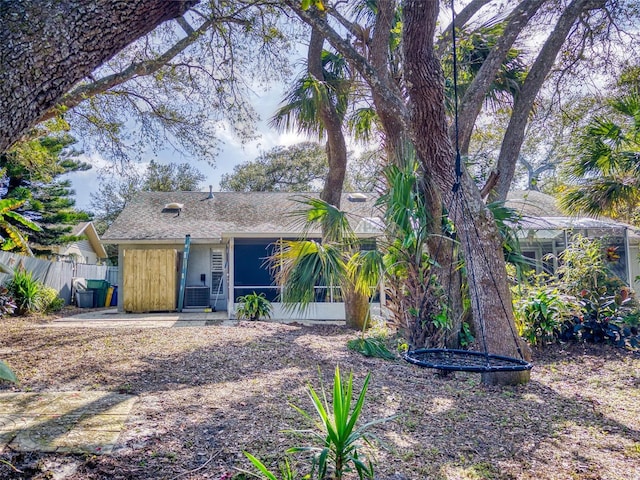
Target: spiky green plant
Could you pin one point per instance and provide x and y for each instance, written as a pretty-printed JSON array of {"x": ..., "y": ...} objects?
[
  {"x": 253, "y": 306},
  {"x": 338, "y": 440},
  {"x": 25, "y": 291}
]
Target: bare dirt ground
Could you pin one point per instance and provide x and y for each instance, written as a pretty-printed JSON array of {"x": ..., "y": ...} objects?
[{"x": 206, "y": 394}]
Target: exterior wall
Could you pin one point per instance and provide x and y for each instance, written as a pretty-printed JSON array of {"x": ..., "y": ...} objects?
[
  {"x": 634, "y": 258},
  {"x": 199, "y": 263},
  {"x": 82, "y": 251}
]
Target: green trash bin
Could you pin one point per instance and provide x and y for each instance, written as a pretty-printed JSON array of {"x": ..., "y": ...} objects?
[{"x": 100, "y": 288}]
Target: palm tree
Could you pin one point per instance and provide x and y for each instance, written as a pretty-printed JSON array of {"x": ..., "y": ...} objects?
[
  {"x": 317, "y": 104},
  {"x": 606, "y": 170},
  {"x": 302, "y": 265},
  {"x": 14, "y": 239}
]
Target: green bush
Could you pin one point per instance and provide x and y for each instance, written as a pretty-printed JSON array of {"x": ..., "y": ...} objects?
[
  {"x": 541, "y": 314},
  {"x": 25, "y": 291},
  {"x": 371, "y": 347},
  {"x": 49, "y": 300},
  {"x": 584, "y": 301}
]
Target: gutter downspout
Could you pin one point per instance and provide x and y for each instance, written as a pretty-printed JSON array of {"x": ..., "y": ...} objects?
[{"x": 627, "y": 256}]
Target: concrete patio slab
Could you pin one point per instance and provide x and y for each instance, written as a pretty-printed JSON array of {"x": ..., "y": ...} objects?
[
  {"x": 72, "y": 422},
  {"x": 112, "y": 318}
]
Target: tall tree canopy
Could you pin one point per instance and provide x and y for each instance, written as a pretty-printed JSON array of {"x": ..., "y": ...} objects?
[
  {"x": 297, "y": 168},
  {"x": 33, "y": 173},
  {"x": 301, "y": 167},
  {"x": 412, "y": 65},
  {"x": 46, "y": 48},
  {"x": 604, "y": 173}
]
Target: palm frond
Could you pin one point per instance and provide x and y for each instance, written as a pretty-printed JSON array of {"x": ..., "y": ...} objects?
[
  {"x": 334, "y": 222},
  {"x": 302, "y": 265}
]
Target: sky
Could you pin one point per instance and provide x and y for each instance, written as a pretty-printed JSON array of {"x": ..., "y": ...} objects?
[{"x": 232, "y": 152}]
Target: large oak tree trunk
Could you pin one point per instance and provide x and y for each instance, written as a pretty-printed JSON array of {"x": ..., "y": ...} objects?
[
  {"x": 48, "y": 46},
  {"x": 397, "y": 143},
  {"x": 514, "y": 135},
  {"x": 477, "y": 231}
]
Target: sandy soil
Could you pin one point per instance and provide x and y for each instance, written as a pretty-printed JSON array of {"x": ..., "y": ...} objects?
[{"x": 206, "y": 394}]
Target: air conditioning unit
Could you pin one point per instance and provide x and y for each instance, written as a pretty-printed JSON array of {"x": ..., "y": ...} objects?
[{"x": 196, "y": 297}]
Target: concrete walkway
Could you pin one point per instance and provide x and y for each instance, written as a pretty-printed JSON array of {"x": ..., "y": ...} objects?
[
  {"x": 72, "y": 422},
  {"x": 111, "y": 318}
]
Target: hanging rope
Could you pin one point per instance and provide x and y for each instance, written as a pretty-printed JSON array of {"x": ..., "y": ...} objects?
[
  {"x": 455, "y": 98},
  {"x": 467, "y": 360}
]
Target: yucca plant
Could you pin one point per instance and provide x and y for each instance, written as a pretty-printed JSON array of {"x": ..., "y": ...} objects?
[
  {"x": 25, "y": 291},
  {"x": 338, "y": 439}
]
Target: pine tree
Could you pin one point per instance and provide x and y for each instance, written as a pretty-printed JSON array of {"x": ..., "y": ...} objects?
[{"x": 32, "y": 173}]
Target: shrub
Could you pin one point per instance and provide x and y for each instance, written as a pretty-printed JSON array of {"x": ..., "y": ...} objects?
[
  {"x": 49, "y": 300},
  {"x": 603, "y": 320},
  {"x": 253, "y": 306},
  {"x": 541, "y": 314},
  {"x": 371, "y": 347},
  {"x": 25, "y": 291}
]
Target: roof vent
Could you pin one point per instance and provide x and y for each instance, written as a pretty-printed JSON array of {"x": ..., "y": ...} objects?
[
  {"x": 173, "y": 206},
  {"x": 357, "y": 197},
  {"x": 210, "y": 191}
]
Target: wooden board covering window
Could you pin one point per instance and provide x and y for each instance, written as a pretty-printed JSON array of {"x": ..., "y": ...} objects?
[{"x": 150, "y": 280}]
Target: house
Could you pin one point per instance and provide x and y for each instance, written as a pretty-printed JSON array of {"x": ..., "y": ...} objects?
[
  {"x": 230, "y": 235},
  {"x": 87, "y": 250},
  {"x": 544, "y": 232}
]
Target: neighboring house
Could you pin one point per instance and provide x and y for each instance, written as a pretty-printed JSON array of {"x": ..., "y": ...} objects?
[
  {"x": 545, "y": 232},
  {"x": 231, "y": 233},
  {"x": 87, "y": 249}
]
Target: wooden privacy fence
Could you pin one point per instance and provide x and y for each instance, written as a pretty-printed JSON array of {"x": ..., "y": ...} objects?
[{"x": 57, "y": 275}]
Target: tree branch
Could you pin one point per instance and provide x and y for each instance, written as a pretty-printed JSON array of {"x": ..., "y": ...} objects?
[
  {"x": 360, "y": 63},
  {"x": 471, "y": 103},
  {"x": 462, "y": 18},
  {"x": 45, "y": 49},
  {"x": 148, "y": 67}
]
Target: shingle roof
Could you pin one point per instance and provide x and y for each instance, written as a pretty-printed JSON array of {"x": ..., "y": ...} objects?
[
  {"x": 261, "y": 213},
  {"x": 533, "y": 204}
]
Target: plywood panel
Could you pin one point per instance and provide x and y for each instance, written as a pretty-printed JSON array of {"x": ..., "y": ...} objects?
[{"x": 150, "y": 280}]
